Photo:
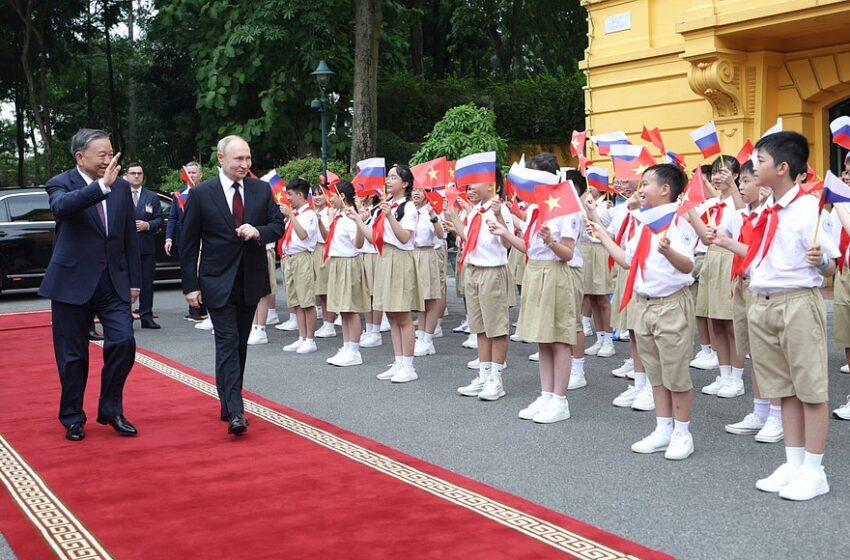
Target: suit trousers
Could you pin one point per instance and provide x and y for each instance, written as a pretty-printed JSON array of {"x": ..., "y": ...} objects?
[
  {"x": 232, "y": 325},
  {"x": 71, "y": 324},
  {"x": 146, "y": 295}
]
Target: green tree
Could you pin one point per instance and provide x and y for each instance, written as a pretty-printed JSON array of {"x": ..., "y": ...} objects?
[{"x": 464, "y": 130}]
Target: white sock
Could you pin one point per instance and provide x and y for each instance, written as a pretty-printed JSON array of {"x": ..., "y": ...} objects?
[
  {"x": 578, "y": 366},
  {"x": 407, "y": 361},
  {"x": 640, "y": 380},
  {"x": 419, "y": 335},
  {"x": 562, "y": 398},
  {"x": 308, "y": 340},
  {"x": 681, "y": 427},
  {"x": 737, "y": 373},
  {"x": 705, "y": 348},
  {"x": 812, "y": 460},
  {"x": 428, "y": 338},
  {"x": 496, "y": 369},
  {"x": 795, "y": 455},
  {"x": 546, "y": 396},
  {"x": 261, "y": 328},
  {"x": 345, "y": 345},
  {"x": 761, "y": 408},
  {"x": 665, "y": 424},
  {"x": 725, "y": 371},
  {"x": 398, "y": 360},
  {"x": 776, "y": 411},
  {"x": 319, "y": 310},
  {"x": 585, "y": 320},
  {"x": 599, "y": 336},
  {"x": 354, "y": 347},
  {"x": 607, "y": 337},
  {"x": 484, "y": 369}
]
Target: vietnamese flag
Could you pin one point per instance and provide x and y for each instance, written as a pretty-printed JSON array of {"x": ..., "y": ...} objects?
[
  {"x": 810, "y": 172},
  {"x": 630, "y": 161},
  {"x": 431, "y": 174},
  {"x": 333, "y": 178},
  {"x": 583, "y": 162},
  {"x": 435, "y": 199},
  {"x": 184, "y": 177},
  {"x": 811, "y": 187},
  {"x": 746, "y": 152},
  {"x": 694, "y": 194},
  {"x": 653, "y": 136},
  {"x": 577, "y": 143},
  {"x": 556, "y": 200},
  {"x": 510, "y": 190}
]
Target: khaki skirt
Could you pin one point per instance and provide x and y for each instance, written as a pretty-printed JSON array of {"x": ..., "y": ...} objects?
[
  {"x": 577, "y": 274},
  {"x": 625, "y": 319},
  {"x": 597, "y": 277},
  {"x": 699, "y": 260},
  {"x": 516, "y": 265},
  {"x": 396, "y": 286},
  {"x": 370, "y": 261},
  {"x": 347, "y": 291},
  {"x": 321, "y": 270},
  {"x": 548, "y": 305},
  {"x": 442, "y": 265},
  {"x": 427, "y": 272},
  {"x": 841, "y": 308},
  {"x": 741, "y": 306},
  {"x": 715, "y": 285}
]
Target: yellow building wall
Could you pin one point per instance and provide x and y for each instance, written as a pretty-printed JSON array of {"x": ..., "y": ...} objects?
[{"x": 742, "y": 63}]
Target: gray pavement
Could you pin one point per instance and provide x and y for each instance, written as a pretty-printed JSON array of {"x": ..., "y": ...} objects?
[{"x": 704, "y": 507}]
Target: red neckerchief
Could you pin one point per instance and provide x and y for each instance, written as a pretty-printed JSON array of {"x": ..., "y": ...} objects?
[
  {"x": 716, "y": 212},
  {"x": 764, "y": 231},
  {"x": 330, "y": 237},
  {"x": 287, "y": 234},
  {"x": 744, "y": 236},
  {"x": 378, "y": 230},
  {"x": 843, "y": 245},
  {"x": 638, "y": 262},
  {"x": 628, "y": 223},
  {"x": 532, "y": 228},
  {"x": 472, "y": 238}
]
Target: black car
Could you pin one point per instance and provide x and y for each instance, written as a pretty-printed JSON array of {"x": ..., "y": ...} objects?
[{"x": 26, "y": 238}]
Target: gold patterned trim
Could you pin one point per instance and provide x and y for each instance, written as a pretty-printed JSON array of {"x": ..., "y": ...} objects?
[
  {"x": 548, "y": 533},
  {"x": 64, "y": 533}
]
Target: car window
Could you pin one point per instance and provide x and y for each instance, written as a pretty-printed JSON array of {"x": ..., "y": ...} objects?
[
  {"x": 29, "y": 208},
  {"x": 165, "y": 203}
]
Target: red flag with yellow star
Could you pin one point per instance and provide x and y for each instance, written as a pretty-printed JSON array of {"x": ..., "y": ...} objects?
[
  {"x": 694, "y": 194},
  {"x": 431, "y": 174},
  {"x": 556, "y": 200}
]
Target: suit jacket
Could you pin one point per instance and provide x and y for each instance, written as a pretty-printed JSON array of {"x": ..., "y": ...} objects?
[
  {"x": 148, "y": 201},
  {"x": 81, "y": 247},
  {"x": 175, "y": 218},
  {"x": 208, "y": 218}
]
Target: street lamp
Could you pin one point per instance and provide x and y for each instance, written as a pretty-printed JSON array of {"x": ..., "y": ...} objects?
[{"x": 323, "y": 77}]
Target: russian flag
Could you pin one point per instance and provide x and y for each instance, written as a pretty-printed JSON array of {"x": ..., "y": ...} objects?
[
  {"x": 840, "y": 128},
  {"x": 476, "y": 168},
  {"x": 773, "y": 129},
  {"x": 524, "y": 180},
  {"x": 834, "y": 190},
  {"x": 370, "y": 177},
  {"x": 604, "y": 142},
  {"x": 675, "y": 159},
  {"x": 597, "y": 177},
  {"x": 272, "y": 178},
  {"x": 657, "y": 218},
  {"x": 705, "y": 137}
]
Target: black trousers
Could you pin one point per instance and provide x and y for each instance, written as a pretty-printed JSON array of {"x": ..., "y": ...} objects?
[
  {"x": 71, "y": 324},
  {"x": 146, "y": 295}
]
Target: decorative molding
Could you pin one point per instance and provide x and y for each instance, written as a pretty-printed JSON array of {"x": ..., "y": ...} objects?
[{"x": 721, "y": 81}]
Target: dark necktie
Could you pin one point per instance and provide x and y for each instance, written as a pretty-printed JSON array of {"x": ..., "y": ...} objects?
[
  {"x": 238, "y": 207},
  {"x": 135, "y": 198}
]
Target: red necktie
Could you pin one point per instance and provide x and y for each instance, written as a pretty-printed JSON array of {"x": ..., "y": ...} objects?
[
  {"x": 744, "y": 236},
  {"x": 532, "y": 228},
  {"x": 330, "y": 237},
  {"x": 287, "y": 233},
  {"x": 629, "y": 221},
  {"x": 843, "y": 245},
  {"x": 638, "y": 262},
  {"x": 238, "y": 208},
  {"x": 764, "y": 232},
  {"x": 378, "y": 230},
  {"x": 472, "y": 238}
]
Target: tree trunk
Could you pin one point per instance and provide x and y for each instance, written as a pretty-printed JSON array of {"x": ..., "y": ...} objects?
[
  {"x": 132, "y": 127},
  {"x": 113, "y": 103},
  {"x": 87, "y": 34},
  {"x": 20, "y": 133},
  {"x": 417, "y": 62},
  {"x": 364, "y": 125}
]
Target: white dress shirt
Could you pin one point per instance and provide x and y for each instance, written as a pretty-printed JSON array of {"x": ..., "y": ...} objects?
[
  {"x": 227, "y": 186},
  {"x": 104, "y": 189},
  {"x": 342, "y": 243},
  {"x": 659, "y": 278},
  {"x": 310, "y": 222}
]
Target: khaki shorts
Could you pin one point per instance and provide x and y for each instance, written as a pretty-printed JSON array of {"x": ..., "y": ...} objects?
[
  {"x": 841, "y": 309},
  {"x": 664, "y": 335},
  {"x": 300, "y": 279},
  {"x": 489, "y": 295},
  {"x": 270, "y": 255},
  {"x": 788, "y": 343},
  {"x": 741, "y": 306},
  {"x": 699, "y": 259}
]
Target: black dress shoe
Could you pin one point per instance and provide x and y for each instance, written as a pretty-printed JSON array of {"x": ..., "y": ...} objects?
[
  {"x": 119, "y": 424},
  {"x": 150, "y": 324},
  {"x": 76, "y": 432},
  {"x": 238, "y": 424},
  {"x": 94, "y": 335},
  {"x": 226, "y": 418}
]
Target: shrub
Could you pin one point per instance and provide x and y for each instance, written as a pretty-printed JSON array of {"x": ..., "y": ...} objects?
[
  {"x": 310, "y": 168},
  {"x": 393, "y": 148},
  {"x": 463, "y": 130}
]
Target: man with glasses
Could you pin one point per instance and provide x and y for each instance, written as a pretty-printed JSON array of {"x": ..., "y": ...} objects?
[{"x": 148, "y": 214}]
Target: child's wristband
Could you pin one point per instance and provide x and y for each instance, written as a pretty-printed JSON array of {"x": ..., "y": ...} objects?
[{"x": 824, "y": 263}]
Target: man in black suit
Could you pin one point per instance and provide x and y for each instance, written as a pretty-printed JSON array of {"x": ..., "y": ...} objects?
[
  {"x": 234, "y": 217},
  {"x": 94, "y": 270},
  {"x": 148, "y": 212}
]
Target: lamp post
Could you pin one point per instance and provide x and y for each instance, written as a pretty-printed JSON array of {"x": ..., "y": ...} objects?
[{"x": 323, "y": 77}]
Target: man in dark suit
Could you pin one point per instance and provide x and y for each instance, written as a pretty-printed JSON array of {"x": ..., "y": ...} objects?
[
  {"x": 148, "y": 213},
  {"x": 94, "y": 270},
  {"x": 234, "y": 217},
  {"x": 194, "y": 172}
]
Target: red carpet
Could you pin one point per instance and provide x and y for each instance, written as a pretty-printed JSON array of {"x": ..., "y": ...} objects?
[{"x": 293, "y": 487}]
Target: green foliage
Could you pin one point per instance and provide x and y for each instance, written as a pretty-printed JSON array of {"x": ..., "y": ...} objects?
[
  {"x": 393, "y": 148},
  {"x": 310, "y": 168},
  {"x": 464, "y": 130}
]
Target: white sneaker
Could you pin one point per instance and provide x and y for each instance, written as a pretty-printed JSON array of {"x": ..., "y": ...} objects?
[
  {"x": 422, "y": 348},
  {"x": 843, "y": 411},
  {"x": 807, "y": 484},
  {"x": 681, "y": 446},
  {"x": 373, "y": 340},
  {"x": 594, "y": 349},
  {"x": 748, "y": 426},
  {"x": 257, "y": 337},
  {"x": 290, "y": 324},
  {"x": 625, "y": 336},
  {"x": 471, "y": 342},
  {"x": 606, "y": 350},
  {"x": 587, "y": 325},
  {"x": 705, "y": 360},
  {"x": 845, "y": 369},
  {"x": 627, "y": 367},
  {"x": 385, "y": 324},
  {"x": 493, "y": 389},
  {"x": 349, "y": 358},
  {"x": 657, "y": 441},
  {"x": 516, "y": 338},
  {"x": 731, "y": 389},
  {"x": 644, "y": 401},
  {"x": 531, "y": 410},
  {"x": 534, "y": 357},
  {"x": 205, "y": 325},
  {"x": 778, "y": 478},
  {"x": 332, "y": 360},
  {"x": 715, "y": 386},
  {"x": 307, "y": 347},
  {"x": 272, "y": 318},
  {"x": 338, "y": 320},
  {"x": 577, "y": 381},
  {"x": 364, "y": 336},
  {"x": 475, "y": 386},
  {"x": 474, "y": 364},
  {"x": 327, "y": 330},
  {"x": 388, "y": 374},
  {"x": 627, "y": 397},
  {"x": 438, "y": 332},
  {"x": 404, "y": 374},
  {"x": 294, "y": 346},
  {"x": 463, "y": 327},
  {"x": 555, "y": 410},
  {"x": 772, "y": 431}
]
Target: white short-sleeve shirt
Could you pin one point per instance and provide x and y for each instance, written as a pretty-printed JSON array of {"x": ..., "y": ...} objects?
[
  {"x": 489, "y": 250},
  {"x": 659, "y": 278},
  {"x": 310, "y": 222}
]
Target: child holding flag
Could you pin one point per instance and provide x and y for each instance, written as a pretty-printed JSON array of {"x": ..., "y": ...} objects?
[
  {"x": 597, "y": 281},
  {"x": 371, "y": 336},
  {"x": 323, "y": 211},
  {"x": 428, "y": 235},
  {"x": 660, "y": 259}
]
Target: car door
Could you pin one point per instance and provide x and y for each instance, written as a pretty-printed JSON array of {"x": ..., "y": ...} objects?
[
  {"x": 167, "y": 268},
  {"x": 26, "y": 238}
]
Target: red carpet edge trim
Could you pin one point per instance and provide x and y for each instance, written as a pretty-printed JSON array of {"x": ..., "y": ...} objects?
[
  {"x": 529, "y": 525},
  {"x": 60, "y": 528}
]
